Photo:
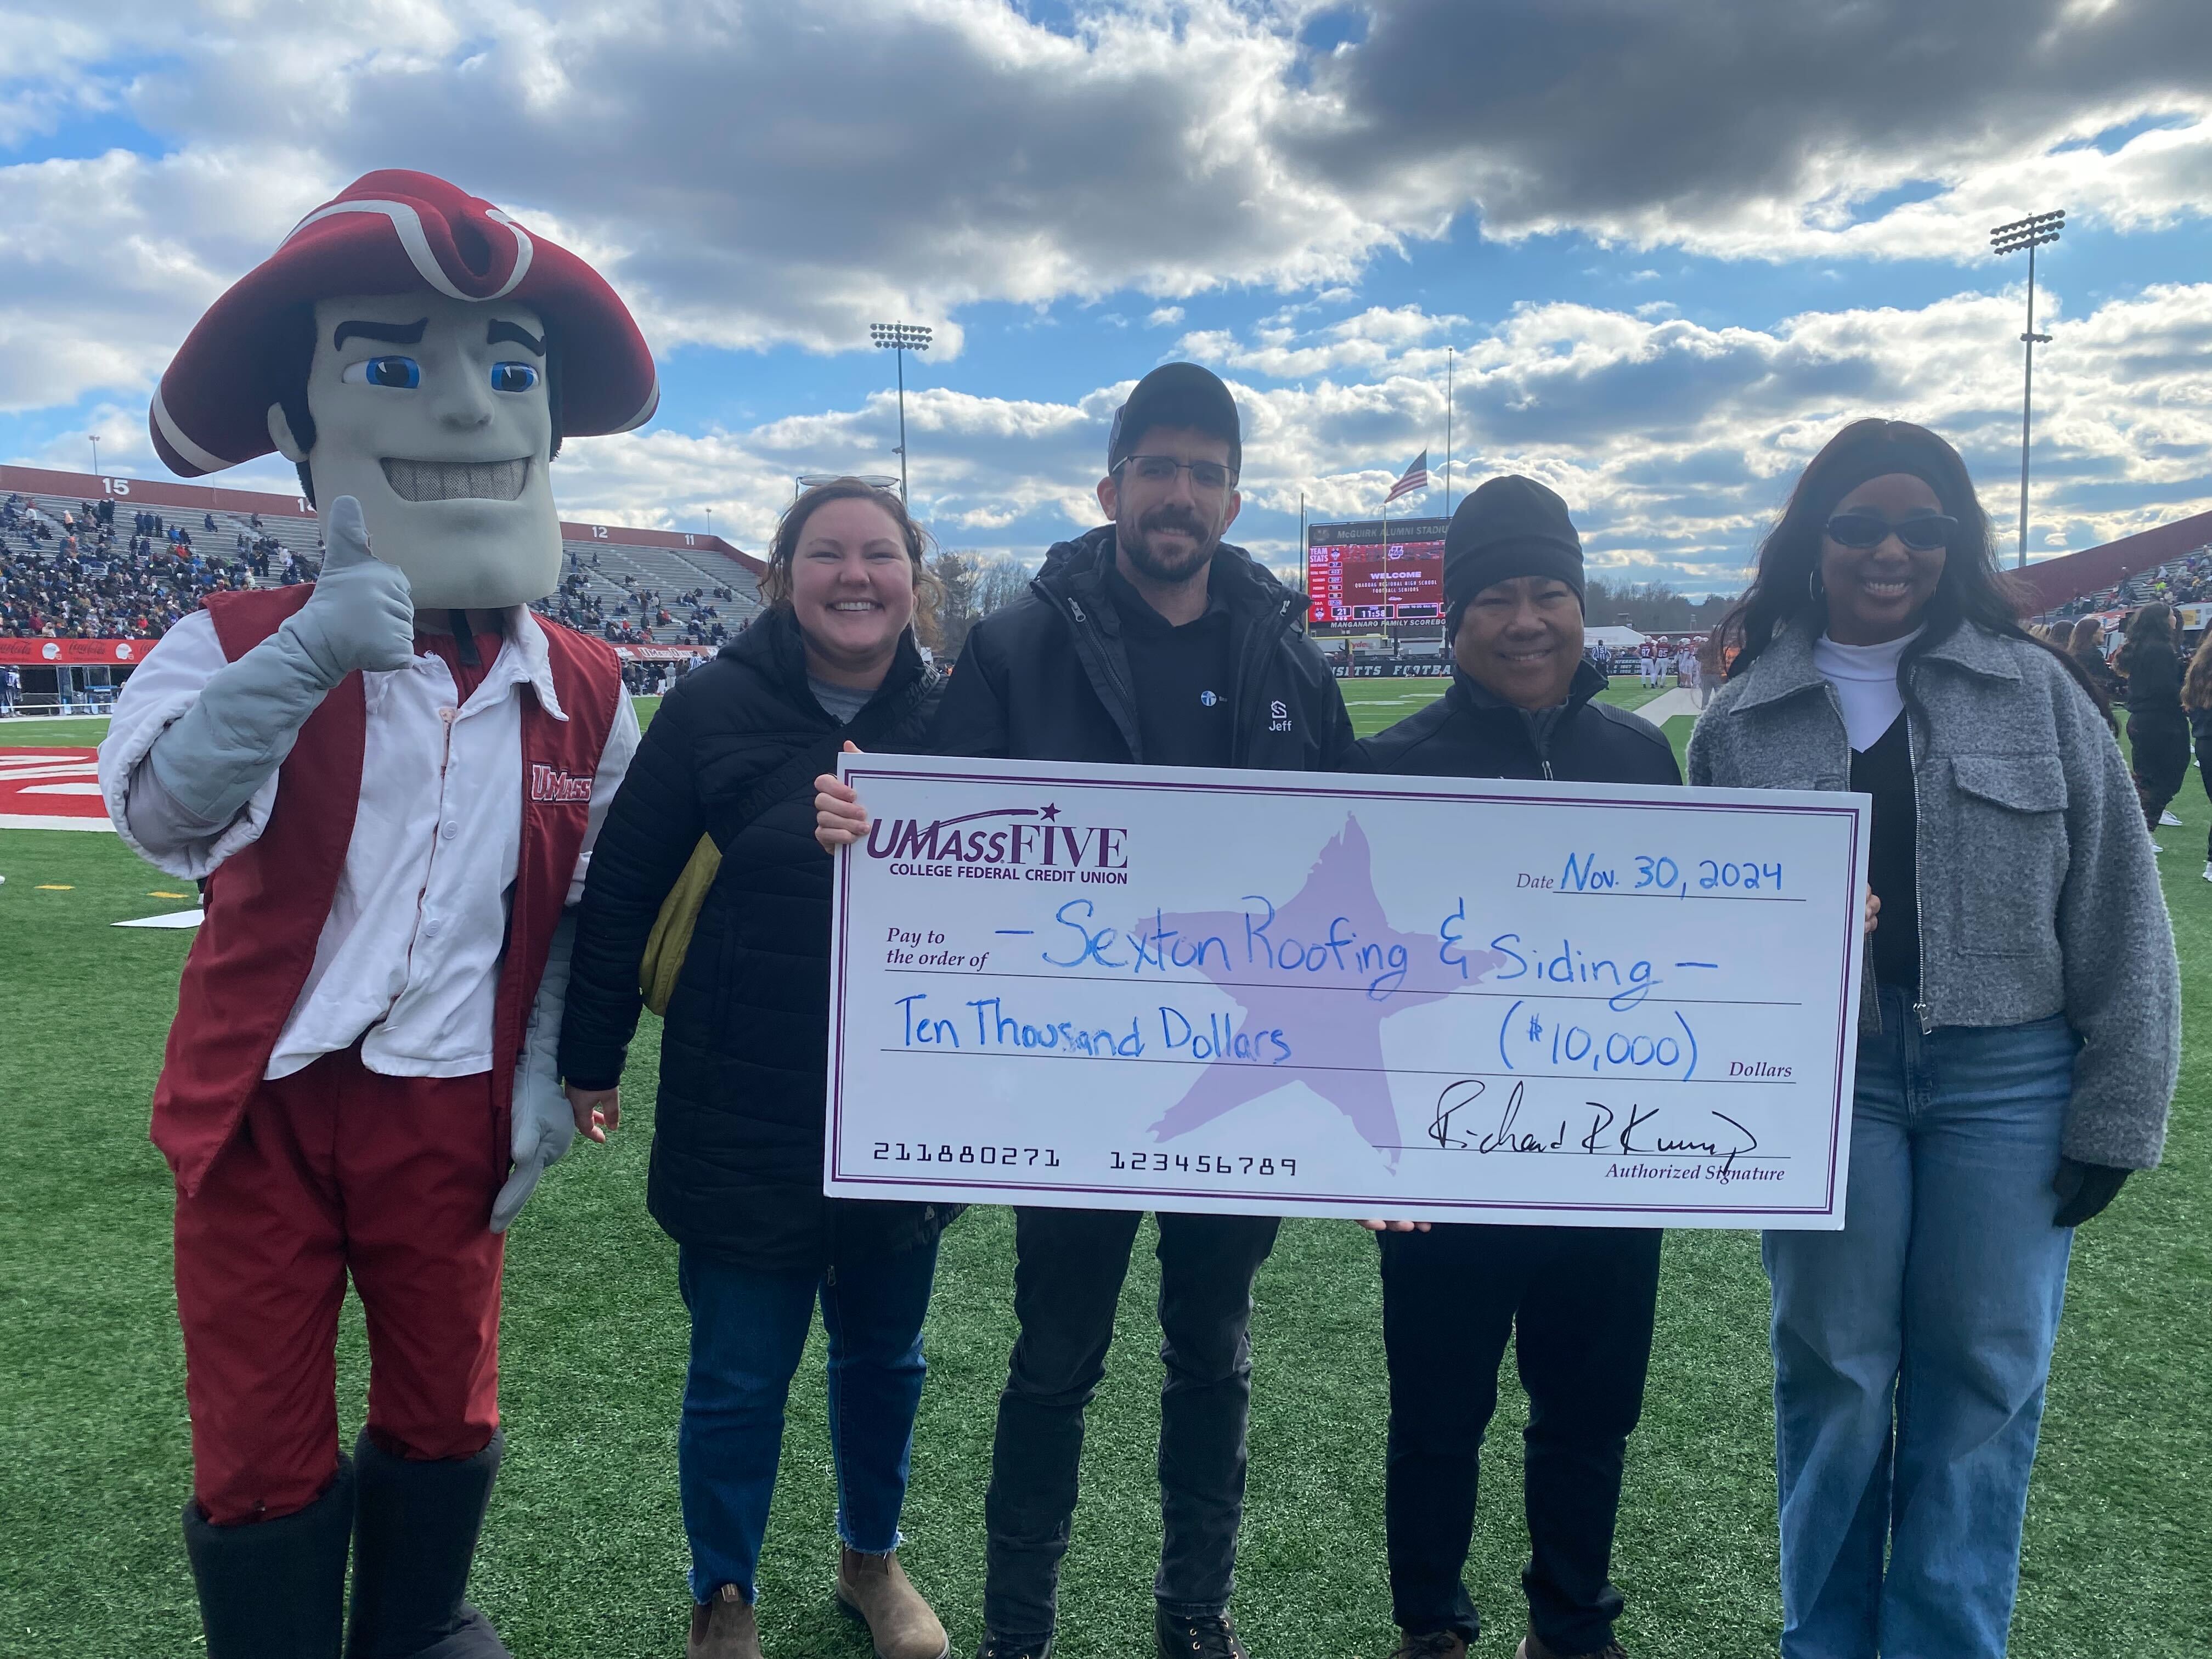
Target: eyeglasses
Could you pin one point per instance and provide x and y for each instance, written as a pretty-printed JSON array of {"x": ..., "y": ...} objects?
[
  {"x": 1922, "y": 534},
  {"x": 1209, "y": 477}
]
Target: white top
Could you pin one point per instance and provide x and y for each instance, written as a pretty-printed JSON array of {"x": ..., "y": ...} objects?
[
  {"x": 1865, "y": 678},
  {"x": 408, "y": 960}
]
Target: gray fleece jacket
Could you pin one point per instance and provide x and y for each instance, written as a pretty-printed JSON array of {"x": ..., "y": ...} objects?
[{"x": 2037, "y": 891}]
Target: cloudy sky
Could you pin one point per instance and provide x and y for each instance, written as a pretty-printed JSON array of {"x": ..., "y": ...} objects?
[{"x": 1673, "y": 243}]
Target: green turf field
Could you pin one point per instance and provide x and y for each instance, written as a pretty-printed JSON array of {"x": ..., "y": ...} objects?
[{"x": 584, "y": 1554}]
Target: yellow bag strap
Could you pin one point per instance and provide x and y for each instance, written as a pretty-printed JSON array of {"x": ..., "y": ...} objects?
[{"x": 670, "y": 938}]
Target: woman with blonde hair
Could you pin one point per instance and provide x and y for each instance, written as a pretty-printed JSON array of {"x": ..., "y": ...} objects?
[{"x": 736, "y": 1178}]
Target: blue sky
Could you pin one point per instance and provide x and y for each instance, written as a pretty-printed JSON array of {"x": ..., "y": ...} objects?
[{"x": 1673, "y": 248}]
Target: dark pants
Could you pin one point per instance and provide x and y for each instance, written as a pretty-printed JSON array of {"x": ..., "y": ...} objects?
[
  {"x": 2204, "y": 777},
  {"x": 1069, "y": 1269},
  {"x": 1582, "y": 1299},
  {"x": 2161, "y": 763}
]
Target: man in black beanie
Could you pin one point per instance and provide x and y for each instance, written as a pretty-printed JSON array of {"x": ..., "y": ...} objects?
[
  {"x": 1520, "y": 705},
  {"x": 1148, "y": 640}
]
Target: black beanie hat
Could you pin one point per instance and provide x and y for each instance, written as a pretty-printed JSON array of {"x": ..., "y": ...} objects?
[
  {"x": 1177, "y": 394},
  {"x": 1510, "y": 526}
]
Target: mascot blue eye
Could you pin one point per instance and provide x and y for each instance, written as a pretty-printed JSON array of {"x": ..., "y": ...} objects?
[
  {"x": 402, "y": 373},
  {"x": 512, "y": 377}
]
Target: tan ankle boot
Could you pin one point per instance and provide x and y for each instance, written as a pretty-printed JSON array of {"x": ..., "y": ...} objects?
[
  {"x": 875, "y": 1589},
  {"x": 723, "y": 1628}
]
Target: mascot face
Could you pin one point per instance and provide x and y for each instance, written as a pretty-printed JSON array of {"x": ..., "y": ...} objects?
[{"x": 433, "y": 412}]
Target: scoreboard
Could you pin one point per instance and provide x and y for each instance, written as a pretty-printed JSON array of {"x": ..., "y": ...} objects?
[{"x": 1376, "y": 570}]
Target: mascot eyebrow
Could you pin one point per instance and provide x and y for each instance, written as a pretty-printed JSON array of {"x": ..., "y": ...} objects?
[
  {"x": 516, "y": 333},
  {"x": 389, "y": 333}
]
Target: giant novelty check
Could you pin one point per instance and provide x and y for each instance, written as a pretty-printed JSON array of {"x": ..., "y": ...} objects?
[{"x": 1280, "y": 994}]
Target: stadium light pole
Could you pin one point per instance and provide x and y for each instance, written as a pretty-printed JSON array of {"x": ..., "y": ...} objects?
[
  {"x": 93, "y": 438},
  {"x": 2032, "y": 233},
  {"x": 901, "y": 338}
]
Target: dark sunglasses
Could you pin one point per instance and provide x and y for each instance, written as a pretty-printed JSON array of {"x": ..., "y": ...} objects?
[{"x": 1924, "y": 534}]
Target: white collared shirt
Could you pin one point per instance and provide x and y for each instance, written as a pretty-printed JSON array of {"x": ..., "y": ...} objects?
[{"x": 408, "y": 958}]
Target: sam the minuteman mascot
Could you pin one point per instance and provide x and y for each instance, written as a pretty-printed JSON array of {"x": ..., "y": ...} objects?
[{"x": 389, "y": 782}]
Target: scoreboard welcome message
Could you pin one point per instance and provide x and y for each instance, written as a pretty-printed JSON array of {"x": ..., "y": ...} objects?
[{"x": 1376, "y": 570}]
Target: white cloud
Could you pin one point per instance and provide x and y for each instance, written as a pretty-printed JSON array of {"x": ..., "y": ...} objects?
[
  {"x": 752, "y": 172},
  {"x": 1673, "y": 442},
  {"x": 1165, "y": 316}
]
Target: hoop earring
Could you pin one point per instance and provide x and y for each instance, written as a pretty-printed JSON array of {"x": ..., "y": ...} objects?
[{"x": 1814, "y": 585}]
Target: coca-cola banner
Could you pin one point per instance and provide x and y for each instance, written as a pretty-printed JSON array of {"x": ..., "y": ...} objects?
[{"x": 53, "y": 653}]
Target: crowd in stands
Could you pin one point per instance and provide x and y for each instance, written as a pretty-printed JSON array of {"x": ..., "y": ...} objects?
[
  {"x": 2183, "y": 581},
  {"x": 78, "y": 575},
  {"x": 627, "y": 621}
]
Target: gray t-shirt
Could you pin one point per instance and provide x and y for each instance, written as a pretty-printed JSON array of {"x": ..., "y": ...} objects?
[{"x": 839, "y": 702}]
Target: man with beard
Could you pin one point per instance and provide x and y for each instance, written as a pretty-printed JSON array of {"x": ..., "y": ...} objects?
[{"x": 1147, "y": 640}]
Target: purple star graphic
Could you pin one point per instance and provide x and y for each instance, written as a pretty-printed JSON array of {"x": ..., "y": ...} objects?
[
  {"x": 1049, "y": 813},
  {"x": 1328, "y": 1002}
]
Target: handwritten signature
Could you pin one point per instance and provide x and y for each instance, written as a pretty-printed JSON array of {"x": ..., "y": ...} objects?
[{"x": 1638, "y": 1130}]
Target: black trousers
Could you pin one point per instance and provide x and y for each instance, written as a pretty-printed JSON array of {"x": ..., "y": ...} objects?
[
  {"x": 1578, "y": 1302},
  {"x": 1069, "y": 1269},
  {"x": 2161, "y": 763},
  {"x": 2204, "y": 777}
]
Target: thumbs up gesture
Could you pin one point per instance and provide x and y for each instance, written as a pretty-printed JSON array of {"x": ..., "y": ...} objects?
[{"x": 362, "y": 614}]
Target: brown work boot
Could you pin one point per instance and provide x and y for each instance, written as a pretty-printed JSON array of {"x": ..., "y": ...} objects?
[
  {"x": 874, "y": 1590},
  {"x": 723, "y": 1628},
  {"x": 1430, "y": 1644},
  {"x": 1534, "y": 1646}
]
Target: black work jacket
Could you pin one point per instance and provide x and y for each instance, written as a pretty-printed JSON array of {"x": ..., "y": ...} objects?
[
  {"x": 1472, "y": 732},
  {"x": 737, "y": 1143},
  {"x": 1048, "y": 678}
]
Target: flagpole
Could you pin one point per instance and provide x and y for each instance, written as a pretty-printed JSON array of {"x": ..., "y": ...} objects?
[
  {"x": 1447, "y": 430},
  {"x": 1305, "y": 563}
]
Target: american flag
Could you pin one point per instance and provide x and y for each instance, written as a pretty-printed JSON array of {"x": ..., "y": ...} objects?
[{"x": 1416, "y": 477}]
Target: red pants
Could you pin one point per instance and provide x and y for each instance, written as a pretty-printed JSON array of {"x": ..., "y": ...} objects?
[{"x": 337, "y": 1169}]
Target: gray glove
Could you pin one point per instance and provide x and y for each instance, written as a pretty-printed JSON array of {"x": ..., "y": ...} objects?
[
  {"x": 542, "y": 1125},
  {"x": 210, "y": 762}
]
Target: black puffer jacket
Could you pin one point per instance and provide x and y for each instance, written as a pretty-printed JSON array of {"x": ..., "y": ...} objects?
[
  {"x": 737, "y": 1151},
  {"x": 1472, "y": 732},
  {"x": 1047, "y": 679}
]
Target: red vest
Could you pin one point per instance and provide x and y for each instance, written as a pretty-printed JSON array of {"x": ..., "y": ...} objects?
[{"x": 267, "y": 903}]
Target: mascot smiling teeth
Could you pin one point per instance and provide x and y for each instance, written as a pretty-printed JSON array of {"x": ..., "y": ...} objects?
[{"x": 389, "y": 783}]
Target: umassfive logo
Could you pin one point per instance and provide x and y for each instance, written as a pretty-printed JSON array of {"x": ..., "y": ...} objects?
[{"x": 1003, "y": 843}]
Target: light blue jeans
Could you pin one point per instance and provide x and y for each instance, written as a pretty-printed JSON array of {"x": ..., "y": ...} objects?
[{"x": 1911, "y": 1349}]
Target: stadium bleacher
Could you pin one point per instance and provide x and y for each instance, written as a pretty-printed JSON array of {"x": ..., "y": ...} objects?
[{"x": 618, "y": 581}]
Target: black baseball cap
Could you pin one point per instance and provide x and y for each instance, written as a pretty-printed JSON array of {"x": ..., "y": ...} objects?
[{"x": 1176, "y": 394}]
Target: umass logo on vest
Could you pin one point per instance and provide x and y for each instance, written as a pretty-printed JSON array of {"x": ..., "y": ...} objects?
[
  {"x": 550, "y": 783},
  {"x": 1003, "y": 843}
]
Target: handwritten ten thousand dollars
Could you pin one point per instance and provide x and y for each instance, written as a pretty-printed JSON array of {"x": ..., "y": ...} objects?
[{"x": 1280, "y": 994}]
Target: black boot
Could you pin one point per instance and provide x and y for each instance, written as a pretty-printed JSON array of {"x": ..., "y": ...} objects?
[
  {"x": 274, "y": 1590},
  {"x": 415, "y": 1534}
]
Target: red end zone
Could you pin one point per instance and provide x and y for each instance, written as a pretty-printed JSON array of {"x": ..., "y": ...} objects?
[{"x": 51, "y": 789}]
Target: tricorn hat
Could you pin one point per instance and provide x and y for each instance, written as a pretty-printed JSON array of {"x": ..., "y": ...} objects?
[{"x": 394, "y": 232}]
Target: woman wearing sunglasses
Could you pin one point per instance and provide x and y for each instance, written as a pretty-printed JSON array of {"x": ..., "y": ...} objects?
[{"x": 2018, "y": 1043}]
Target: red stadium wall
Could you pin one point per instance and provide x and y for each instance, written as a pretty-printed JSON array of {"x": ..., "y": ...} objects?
[
  {"x": 46, "y": 653},
  {"x": 160, "y": 495}
]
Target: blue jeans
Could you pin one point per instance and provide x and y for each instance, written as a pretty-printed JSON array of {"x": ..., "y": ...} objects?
[
  {"x": 747, "y": 1331},
  {"x": 1911, "y": 1349}
]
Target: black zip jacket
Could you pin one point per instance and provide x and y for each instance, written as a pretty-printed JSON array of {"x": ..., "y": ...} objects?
[
  {"x": 1472, "y": 732},
  {"x": 737, "y": 1143},
  {"x": 1047, "y": 679}
]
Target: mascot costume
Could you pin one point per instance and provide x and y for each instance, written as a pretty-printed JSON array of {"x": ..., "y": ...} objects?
[{"x": 388, "y": 782}]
